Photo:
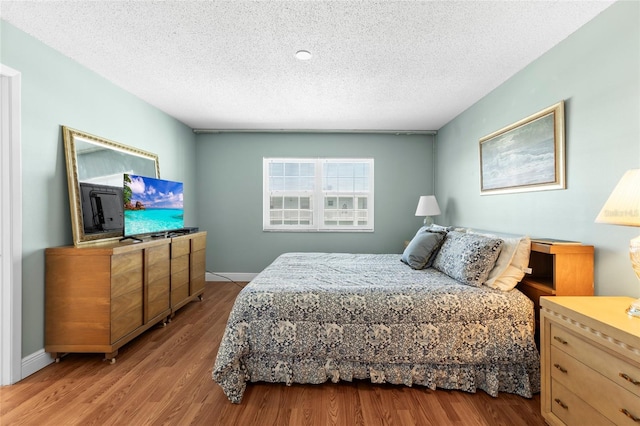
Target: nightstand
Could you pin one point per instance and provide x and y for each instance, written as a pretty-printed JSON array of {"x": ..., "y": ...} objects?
[
  {"x": 557, "y": 269},
  {"x": 590, "y": 361}
]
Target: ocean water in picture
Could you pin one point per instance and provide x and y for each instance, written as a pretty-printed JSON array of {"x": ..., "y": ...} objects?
[
  {"x": 152, "y": 220},
  {"x": 523, "y": 156}
]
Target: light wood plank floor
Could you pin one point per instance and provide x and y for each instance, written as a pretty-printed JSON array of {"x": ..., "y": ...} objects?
[{"x": 164, "y": 377}]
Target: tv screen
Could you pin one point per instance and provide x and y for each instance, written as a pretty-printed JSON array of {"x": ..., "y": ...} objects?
[{"x": 151, "y": 205}]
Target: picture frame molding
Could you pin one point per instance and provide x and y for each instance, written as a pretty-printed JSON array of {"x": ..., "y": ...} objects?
[{"x": 557, "y": 110}]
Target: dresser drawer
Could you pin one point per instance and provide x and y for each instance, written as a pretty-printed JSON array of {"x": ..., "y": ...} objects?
[
  {"x": 158, "y": 255},
  {"x": 594, "y": 389},
  {"x": 126, "y": 314},
  {"x": 573, "y": 410},
  {"x": 615, "y": 369},
  {"x": 199, "y": 243},
  {"x": 179, "y": 264},
  {"x": 179, "y": 294},
  {"x": 179, "y": 247},
  {"x": 178, "y": 279}
]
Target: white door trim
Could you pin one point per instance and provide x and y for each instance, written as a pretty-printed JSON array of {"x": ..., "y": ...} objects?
[{"x": 11, "y": 227}]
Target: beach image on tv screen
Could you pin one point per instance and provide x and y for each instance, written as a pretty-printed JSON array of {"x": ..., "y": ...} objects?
[{"x": 152, "y": 205}]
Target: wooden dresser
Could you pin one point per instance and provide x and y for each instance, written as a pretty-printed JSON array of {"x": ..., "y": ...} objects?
[
  {"x": 590, "y": 355},
  {"x": 188, "y": 258},
  {"x": 100, "y": 297}
]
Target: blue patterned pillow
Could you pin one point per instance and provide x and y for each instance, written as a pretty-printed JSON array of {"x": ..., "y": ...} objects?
[
  {"x": 468, "y": 258},
  {"x": 420, "y": 252}
]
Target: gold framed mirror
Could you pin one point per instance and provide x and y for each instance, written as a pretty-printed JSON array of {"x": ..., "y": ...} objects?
[{"x": 95, "y": 170}]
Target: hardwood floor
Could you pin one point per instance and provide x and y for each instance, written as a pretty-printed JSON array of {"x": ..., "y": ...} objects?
[{"x": 164, "y": 377}]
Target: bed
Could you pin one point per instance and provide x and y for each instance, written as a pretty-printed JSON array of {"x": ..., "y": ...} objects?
[{"x": 313, "y": 317}]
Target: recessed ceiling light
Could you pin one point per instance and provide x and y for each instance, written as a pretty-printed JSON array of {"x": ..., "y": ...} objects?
[{"x": 303, "y": 55}]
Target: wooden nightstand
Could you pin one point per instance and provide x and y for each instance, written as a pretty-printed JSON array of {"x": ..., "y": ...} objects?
[
  {"x": 590, "y": 359},
  {"x": 557, "y": 269}
]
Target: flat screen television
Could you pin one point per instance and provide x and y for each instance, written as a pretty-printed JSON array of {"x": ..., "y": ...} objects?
[
  {"x": 101, "y": 208},
  {"x": 152, "y": 206}
]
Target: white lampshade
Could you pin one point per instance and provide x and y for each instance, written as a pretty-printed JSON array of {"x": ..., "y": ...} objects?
[
  {"x": 427, "y": 207},
  {"x": 623, "y": 208},
  {"x": 623, "y": 205}
]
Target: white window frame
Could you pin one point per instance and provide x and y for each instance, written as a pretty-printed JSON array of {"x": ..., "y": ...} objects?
[{"x": 316, "y": 195}]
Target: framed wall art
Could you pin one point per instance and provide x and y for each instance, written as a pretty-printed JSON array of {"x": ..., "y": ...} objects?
[{"x": 525, "y": 156}]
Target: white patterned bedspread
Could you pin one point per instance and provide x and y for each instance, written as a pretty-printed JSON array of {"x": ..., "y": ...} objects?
[{"x": 310, "y": 317}]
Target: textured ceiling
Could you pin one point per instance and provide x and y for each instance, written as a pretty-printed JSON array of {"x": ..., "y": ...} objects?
[{"x": 376, "y": 65}]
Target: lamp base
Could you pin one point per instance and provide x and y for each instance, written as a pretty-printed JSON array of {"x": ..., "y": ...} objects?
[
  {"x": 634, "y": 255},
  {"x": 634, "y": 309}
]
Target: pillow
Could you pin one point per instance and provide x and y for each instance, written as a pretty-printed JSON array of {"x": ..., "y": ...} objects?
[
  {"x": 499, "y": 278},
  {"x": 421, "y": 251},
  {"x": 468, "y": 258},
  {"x": 509, "y": 246},
  {"x": 438, "y": 228},
  {"x": 514, "y": 273}
]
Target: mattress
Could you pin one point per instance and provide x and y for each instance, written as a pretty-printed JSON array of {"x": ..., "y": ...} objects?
[{"x": 313, "y": 317}]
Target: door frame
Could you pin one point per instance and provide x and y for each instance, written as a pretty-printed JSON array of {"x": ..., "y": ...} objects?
[{"x": 11, "y": 227}]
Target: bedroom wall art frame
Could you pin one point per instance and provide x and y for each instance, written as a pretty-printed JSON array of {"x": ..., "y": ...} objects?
[{"x": 528, "y": 155}]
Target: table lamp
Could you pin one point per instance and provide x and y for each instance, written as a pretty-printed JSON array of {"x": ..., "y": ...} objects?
[
  {"x": 623, "y": 208},
  {"x": 427, "y": 207}
]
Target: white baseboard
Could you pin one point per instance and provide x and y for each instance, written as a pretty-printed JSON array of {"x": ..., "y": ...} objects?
[
  {"x": 34, "y": 362},
  {"x": 230, "y": 276}
]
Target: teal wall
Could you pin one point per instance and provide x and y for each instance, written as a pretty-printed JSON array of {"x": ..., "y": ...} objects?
[
  {"x": 230, "y": 194},
  {"x": 596, "y": 71},
  {"x": 57, "y": 91}
]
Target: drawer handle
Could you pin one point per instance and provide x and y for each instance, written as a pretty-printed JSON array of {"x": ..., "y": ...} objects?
[
  {"x": 561, "y": 368},
  {"x": 631, "y": 416},
  {"x": 563, "y": 405},
  {"x": 629, "y": 379},
  {"x": 561, "y": 340}
]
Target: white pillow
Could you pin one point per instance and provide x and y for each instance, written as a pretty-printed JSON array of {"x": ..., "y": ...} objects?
[
  {"x": 515, "y": 271},
  {"x": 512, "y": 262}
]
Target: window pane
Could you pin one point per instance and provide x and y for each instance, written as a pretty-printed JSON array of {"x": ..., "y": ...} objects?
[
  {"x": 291, "y": 183},
  {"x": 305, "y": 203},
  {"x": 345, "y": 184},
  {"x": 330, "y": 184},
  {"x": 291, "y": 203},
  {"x": 276, "y": 203},
  {"x": 359, "y": 170},
  {"x": 330, "y": 203},
  {"x": 292, "y": 169},
  {"x": 345, "y": 169},
  {"x": 307, "y": 183},
  {"x": 345, "y": 203},
  {"x": 276, "y": 169},
  {"x": 360, "y": 184},
  {"x": 305, "y": 217},
  {"x": 330, "y": 169},
  {"x": 276, "y": 184},
  {"x": 276, "y": 217},
  {"x": 307, "y": 169}
]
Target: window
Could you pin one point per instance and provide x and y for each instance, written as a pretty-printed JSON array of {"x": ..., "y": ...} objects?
[{"x": 305, "y": 194}]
